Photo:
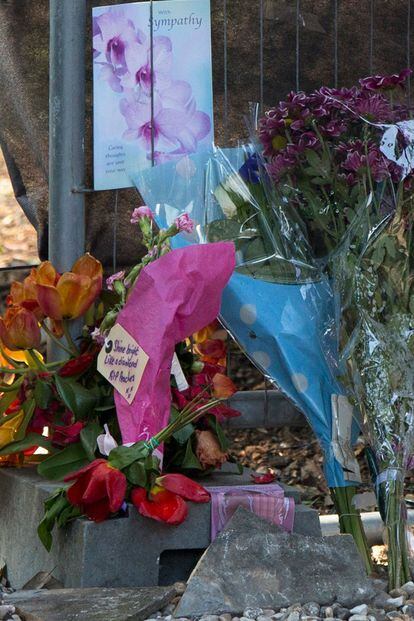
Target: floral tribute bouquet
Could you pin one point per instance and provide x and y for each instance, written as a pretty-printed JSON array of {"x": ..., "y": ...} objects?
[
  {"x": 320, "y": 211},
  {"x": 67, "y": 407},
  {"x": 343, "y": 162}
]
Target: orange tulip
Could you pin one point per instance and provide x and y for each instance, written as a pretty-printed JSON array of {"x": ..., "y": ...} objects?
[
  {"x": 223, "y": 387},
  {"x": 19, "y": 329},
  {"x": 74, "y": 292},
  {"x": 25, "y": 293}
]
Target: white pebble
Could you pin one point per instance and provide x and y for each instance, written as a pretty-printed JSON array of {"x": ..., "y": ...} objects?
[
  {"x": 209, "y": 618},
  {"x": 408, "y": 587},
  {"x": 358, "y": 618},
  {"x": 362, "y": 609},
  {"x": 329, "y": 613},
  {"x": 6, "y": 610},
  {"x": 397, "y": 602},
  {"x": 252, "y": 613},
  {"x": 225, "y": 617}
]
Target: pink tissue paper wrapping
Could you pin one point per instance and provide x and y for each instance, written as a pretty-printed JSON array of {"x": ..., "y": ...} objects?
[
  {"x": 173, "y": 297},
  {"x": 266, "y": 501}
]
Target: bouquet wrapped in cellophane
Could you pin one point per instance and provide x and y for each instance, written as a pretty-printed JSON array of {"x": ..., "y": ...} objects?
[
  {"x": 343, "y": 160},
  {"x": 320, "y": 210}
]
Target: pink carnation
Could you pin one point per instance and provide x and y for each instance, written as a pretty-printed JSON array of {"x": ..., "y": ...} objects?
[
  {"x": 111, "y": 279},
  {"x": 141, "y": 212},
  {"x": 184, "y": 223}
]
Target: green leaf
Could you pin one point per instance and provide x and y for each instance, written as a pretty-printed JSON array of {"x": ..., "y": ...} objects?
[
  {"x": 28, "y": 409},
  {"x": 190, "y": 461},
  {"x": 137, "y": 474},
  {"x": 215, "y": 425},
  {"x": 68, "y": 514},
  {"x": 42, "y": 394},
  {"x": 123, "y": 456},
  {"x": 88, "y": 437},
  {"x": 7, "y": 399},
  {"x": 54, "y": 505},
  {"x": 57, "y": 466},
  {"x": 76, "y": 397},
  {"x": 183, "y": 434},
  {"x": 32, "y": 439}
]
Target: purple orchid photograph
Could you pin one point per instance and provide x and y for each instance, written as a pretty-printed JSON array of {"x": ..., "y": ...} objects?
[{"x": 150, "y": 105}]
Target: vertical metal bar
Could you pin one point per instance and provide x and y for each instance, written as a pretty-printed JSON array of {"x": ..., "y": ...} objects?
[
  {"x": 371, "y": 36},
  {"x": 115, "y": 234},
  {"x": 336, "y": 43},
  {"x": 66, "y": 132},
  {"x": 261, "y": 52},
  {"x": 66, "y": 137},
  {"x": 225, "y": 77},
  {"x": 409, "y": 51},
  {"x": 298, "y": 17},
  {"x": 152, "y": 78}
]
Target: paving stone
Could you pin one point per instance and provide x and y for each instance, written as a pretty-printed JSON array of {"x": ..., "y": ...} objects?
[
  {"x": 95, "y": 604},
  {"x": 254, "y": 564}
]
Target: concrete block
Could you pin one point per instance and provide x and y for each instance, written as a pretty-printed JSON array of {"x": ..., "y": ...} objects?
[
  {"x": 122, "y": 552},
  {"x": 264, "y": 408}
]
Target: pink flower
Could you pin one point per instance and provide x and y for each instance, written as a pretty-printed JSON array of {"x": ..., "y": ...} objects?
[
  {"x": 184, "y": 223},
  {"x": 141, "y": 212},
  {"x": 111, "y": 279},
  {"x": 138, "y": 62},
  {"x": 114, "y": 33},
  {"x": 176, "y": 125},
  {"x": 385, "y": 82}
]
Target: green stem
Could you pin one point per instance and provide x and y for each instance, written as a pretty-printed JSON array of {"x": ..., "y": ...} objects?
[
  {"x": 350, "y": 522},
  {"x": 395, "y": 523},
  {"x": 11, "y": 387},
  {"x": 7, "y": 357},
  {"x": 69, "y": 339},
  {"x": 37, "y": 362},
  {"x": 55, "y": 339}
]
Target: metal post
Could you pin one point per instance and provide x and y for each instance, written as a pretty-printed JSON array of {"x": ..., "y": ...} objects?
[
  {"x": 66, "y": 131},
  {"x": 66, "y": 136}
]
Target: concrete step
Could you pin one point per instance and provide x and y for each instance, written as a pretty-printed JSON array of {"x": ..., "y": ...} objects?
[{"x": 129, "y": 551}]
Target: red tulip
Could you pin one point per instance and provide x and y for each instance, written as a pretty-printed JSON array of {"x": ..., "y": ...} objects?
[
  {"x": 19, "y": 329},
  {"x": 184, "y": 487},
  {"x": 77, "y": 365},
  {"x": 66, "y": 434},
  {"x": 98, "y": 490},
  {"x": 163, "y": 506},
  {"x": 165, "y": 502},
  {"x": 267, "y": 477},
  {"x": 212, "y": 350}
]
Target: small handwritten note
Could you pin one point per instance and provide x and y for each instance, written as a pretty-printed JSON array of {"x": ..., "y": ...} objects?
[{"x": 122, "y": 362}]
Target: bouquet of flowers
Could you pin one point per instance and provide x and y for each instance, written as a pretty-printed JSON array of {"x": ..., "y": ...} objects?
[
  {"x": 343, "y": 160},
  {"x": 321, "y": 299},
  {"x": 67, "y": 407}
]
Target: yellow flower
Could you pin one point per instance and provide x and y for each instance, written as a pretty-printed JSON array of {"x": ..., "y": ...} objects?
[{"x": 10, "y": 428}]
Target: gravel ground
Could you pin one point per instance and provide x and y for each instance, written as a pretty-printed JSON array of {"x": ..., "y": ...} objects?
[{"x": 397, "y": 606}]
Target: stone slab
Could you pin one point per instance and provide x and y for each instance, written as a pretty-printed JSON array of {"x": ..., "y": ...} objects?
[
  {"x": 82, "y": 554},
  {"x": 92, "y": 604},
  {"x": 264, "y": 408},
  {"x": 253, "y": 564}
]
